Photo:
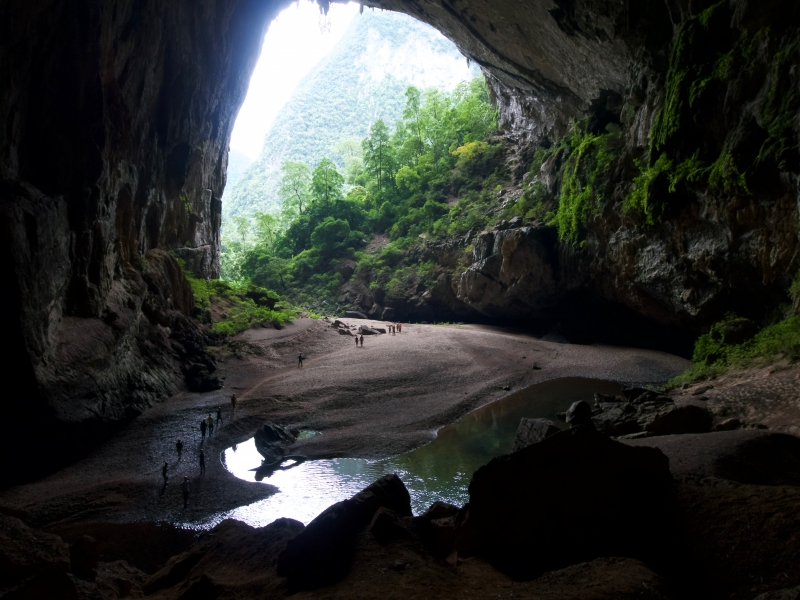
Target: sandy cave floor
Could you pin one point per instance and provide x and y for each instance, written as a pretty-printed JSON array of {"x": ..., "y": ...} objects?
[{"x": 383, "y": 399}]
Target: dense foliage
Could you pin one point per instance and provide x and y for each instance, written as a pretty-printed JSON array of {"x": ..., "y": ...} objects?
[
  {"x": 432, "y": 176},
  {"x": 233, "y": 307},
  {"x": 360, "y": 81}
]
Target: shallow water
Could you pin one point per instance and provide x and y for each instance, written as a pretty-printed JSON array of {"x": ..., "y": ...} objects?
[{"x": 440, "y": 470}]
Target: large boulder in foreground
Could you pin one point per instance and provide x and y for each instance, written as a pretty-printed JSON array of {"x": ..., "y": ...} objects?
[
  {"x": 322, "y": 553},
  {"x": 570, "y": 498}
]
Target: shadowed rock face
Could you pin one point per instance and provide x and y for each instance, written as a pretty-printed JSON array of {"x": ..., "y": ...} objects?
[{"x": 115, "y": 118}]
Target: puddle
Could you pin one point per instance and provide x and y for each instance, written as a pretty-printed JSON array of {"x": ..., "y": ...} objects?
[{"x": 440, "y": 470}]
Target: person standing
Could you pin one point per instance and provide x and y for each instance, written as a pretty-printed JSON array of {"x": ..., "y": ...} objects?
[
  {"x": 164, "y": 473},
  {"x": 219, "y": 416},
  {"x": 233, "y": 402},
  {"x": 202, "y": 463},
  {"x": 362, "y": 340},
  {"x": 203, "y": 425},
  {"x": 185, "y": 490},
  {"x": 356, "y": 341},
  {"x": 399, "y": 328},
  {"x": 179, "y": 448},
  {"x": 300, "y": 358},
  {"x": 210, "y": 421}
]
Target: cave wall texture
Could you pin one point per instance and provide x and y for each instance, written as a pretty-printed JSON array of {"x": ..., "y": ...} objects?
[
  {"x": 725, "y": 72},
  {"x": 115, "y": 118}
]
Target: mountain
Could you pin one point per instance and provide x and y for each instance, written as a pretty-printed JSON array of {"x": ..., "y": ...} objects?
[
  {"x": 361, "y": 80},
  {"x": 237, "y": 164}
]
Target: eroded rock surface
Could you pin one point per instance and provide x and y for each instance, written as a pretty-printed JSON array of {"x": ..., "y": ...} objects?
[{"x": 113, "y": 151}]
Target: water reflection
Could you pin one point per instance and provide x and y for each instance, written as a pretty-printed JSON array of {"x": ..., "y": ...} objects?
[{"x": 440, "y": 470}]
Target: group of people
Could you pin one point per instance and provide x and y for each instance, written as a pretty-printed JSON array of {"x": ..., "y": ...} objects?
[
  {"x": 361, "y": 337},
  {"x": 207, "y": 424},
  {"x": 396, "y": 328}
]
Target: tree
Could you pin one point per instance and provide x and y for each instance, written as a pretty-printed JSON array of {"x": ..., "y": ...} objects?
[
  {"x": 413, "y": 120},
  {"x": 326, "y": 182},
  {"x": 267, "y": 228},
  {"x": 242, "y": 226},
  {"x": 294, "y": 190},
  {"x": 350, "y": 151},
  {"x": 377, "y": 152},
  {"x": 329, "y": 233}
]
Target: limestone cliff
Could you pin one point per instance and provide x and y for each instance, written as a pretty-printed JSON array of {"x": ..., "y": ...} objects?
[
  {"x": 705, "y": 99},
  {"x": 116, "y": 119}
]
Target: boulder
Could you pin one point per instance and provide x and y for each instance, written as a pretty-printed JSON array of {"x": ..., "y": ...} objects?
[
  {"x": 580, "y": 413},
  {"x": 368, "y": 331},
  {"x": 681, "y": 419},
  {"x": 631, "y": 393},
  {"x": 652, "y": 413},
  {"x": 572, "y": 497},
  {"x": 321, "y": 553},
  {"x": 387, "y": 526},
  {"x": 436, "y": 527},
  {"x": 354, "y": 314},
  {"x": 346, "y": 268},
  {"x": 199, "y": 378},
  {"x": 532, "y": 431},
  {"x": 272, "y": 440},
  {"x": 345, "y": 331}
]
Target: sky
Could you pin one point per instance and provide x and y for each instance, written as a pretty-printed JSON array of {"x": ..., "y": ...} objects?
[{"x": 296, "y": 41}]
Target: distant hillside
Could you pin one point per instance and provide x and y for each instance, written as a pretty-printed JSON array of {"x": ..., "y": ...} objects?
[
  {"x": 237, "y": 164},
  {"x": 361, "y": 80}
]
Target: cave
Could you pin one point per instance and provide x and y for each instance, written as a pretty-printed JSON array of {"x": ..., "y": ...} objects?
[{"x": 116, "y": 120}]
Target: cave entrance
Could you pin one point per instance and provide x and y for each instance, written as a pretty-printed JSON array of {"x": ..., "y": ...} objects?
[{"x": 322, "y": 83}]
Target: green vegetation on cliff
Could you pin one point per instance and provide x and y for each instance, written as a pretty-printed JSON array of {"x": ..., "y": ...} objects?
[
  {"x": 231, "y": 308},
  {"x": 434, "y": 175},
  {"x": 735, "y": 343},
  {"x": 691, "y": 145},
  {"x": 362, "y": 80}
]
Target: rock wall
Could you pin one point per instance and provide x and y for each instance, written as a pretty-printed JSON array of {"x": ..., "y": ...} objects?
[
  {"x": 717, "y": 246},
  {"x": 115, "y": 119}
]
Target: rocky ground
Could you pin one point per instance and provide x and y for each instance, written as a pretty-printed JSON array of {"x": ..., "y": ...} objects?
[{"x": 388, "y": 397}]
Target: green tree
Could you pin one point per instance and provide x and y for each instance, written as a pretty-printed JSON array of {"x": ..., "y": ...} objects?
[
  {"x": 377, "y": 152},
  {"x": 331, "y": 232},
  {"x": 295, "y": 189},
  {"x": 413, "y": 121},
  {"x": 267, "y": 228},
  {"x": 326, "y": 182}
]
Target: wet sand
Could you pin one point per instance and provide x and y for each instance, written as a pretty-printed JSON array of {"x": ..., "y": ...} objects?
[{"x": 380, "y": 400}]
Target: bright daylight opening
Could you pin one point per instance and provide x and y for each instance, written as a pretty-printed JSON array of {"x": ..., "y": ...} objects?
[{"x": 358, "y": 133}]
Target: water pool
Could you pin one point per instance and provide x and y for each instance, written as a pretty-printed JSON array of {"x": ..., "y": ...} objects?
[{"x": 440, "y": 470}]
